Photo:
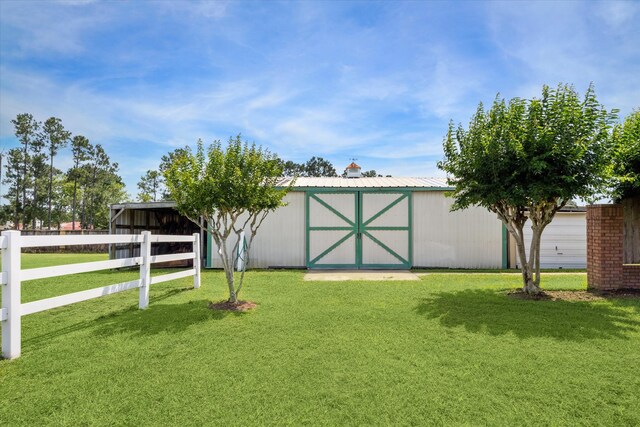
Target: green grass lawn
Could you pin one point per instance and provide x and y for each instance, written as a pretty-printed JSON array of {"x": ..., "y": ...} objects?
[{"x": 450, "y": 349}]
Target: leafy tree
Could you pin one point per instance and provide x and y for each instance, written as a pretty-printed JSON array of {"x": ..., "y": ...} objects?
[
  {"x": 57, "y": 137},
  {"x": 233, "y": 188},
  {"x": 38, "y": 171},
  {"x": 61, "y": 198},
  {"x": 292, "y": 169},
  {"x": 34, "y": 182},
  {"x": 169, "y": 158},
  {"x": 112, "y": 190},
  {"x": 103, "y": 179},
  {"x": 526, "y": 159},
  {"x": 6, "y": 214},
  {"x": 80, "y": 150},
  {"x": 317, "y": 166},
  {"x": 626, "y": 158},
  {"x": 13, "y": 177},
  {"x": 151, "y": 187},
  {"x": 26, "y": 130}
]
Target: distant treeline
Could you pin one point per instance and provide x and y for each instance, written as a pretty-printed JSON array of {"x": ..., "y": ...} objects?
[
  {"x": 317, "y": 166},
  {"x": 151, "y": 185},
  {"x": 42, "y": 196}
]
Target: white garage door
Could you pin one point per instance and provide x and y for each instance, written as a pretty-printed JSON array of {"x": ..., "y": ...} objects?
[{"x": 564, "y": 241}]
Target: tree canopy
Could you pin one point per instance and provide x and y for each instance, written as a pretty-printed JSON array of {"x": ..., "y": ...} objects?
[
  {"x": 526, "y": 159},
  {"x": 626, "y": 159},
  {"x": 315, "y": 166},
  {"x": 151, "y": 186},
  {"x": 38, "y": 193},
  {"x": 233, "y": 188}
]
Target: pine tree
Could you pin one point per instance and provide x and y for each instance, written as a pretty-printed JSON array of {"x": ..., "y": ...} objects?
[{"x": 57, "y": 137}]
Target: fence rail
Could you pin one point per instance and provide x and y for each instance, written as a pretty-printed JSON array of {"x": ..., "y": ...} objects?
[
  {"x": 90, "y": 248},
  {"x": 12, "y": 242}
]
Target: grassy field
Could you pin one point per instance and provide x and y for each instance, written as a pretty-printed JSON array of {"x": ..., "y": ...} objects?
[{"x": 451, "y": 349}]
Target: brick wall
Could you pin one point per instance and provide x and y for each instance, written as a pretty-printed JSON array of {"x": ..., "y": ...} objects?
[
  {"x": 631, "y": 276},
  {"x": 605, "y": 249}
]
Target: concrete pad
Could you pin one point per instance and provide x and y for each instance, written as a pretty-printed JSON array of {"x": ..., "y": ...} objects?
[{"x": 343, "y": 275}]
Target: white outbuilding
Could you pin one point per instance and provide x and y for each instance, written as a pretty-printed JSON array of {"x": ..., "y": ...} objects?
[{"x": 369, "y": 223}]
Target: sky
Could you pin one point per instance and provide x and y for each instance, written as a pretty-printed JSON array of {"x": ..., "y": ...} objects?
[{"x": 374, "y": 81}]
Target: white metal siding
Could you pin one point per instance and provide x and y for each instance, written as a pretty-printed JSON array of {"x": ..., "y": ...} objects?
[
  {"x": 397, "y": 241},
  {"x": 320, "y": 241},
  {"x": 281, "y": 238},
  {"x": 564, "y": 241},
  {"x": 471, "y": 238},
  {"x": 320, "y": 216}
]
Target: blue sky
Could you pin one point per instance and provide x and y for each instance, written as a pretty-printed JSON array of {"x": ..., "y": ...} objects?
[{"x": 376, "y": 81}]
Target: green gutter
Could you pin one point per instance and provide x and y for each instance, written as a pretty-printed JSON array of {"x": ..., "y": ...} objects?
[{"x": 351, "y": 189}]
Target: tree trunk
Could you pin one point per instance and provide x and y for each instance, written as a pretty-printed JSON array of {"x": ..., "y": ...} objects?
[
  {"x": 529, "y": 284},
  {"x": 73, "y": 208},
  {"x": 245, "y": 261},
  {"x": 50, "y": 190},
  {"x": 227, "y": 264},
  {"x": 17, "y": 217},
  {"x": 24, "y": 186},
  {"x": 34, "y": 208},
  {"x": 82, "y": 219}
]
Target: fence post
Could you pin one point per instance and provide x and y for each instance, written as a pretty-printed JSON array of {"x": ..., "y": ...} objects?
[
  {"x": 145, "y": 269},
  {"x": 196, "y": 260},
  {"x": 11, "y": 323}
]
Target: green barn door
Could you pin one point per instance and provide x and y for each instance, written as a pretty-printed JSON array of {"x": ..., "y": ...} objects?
[
  {"x": 366, "y": 229},
  {"x": 332, "y": 229},
  {"x": 385, "y": 229}
]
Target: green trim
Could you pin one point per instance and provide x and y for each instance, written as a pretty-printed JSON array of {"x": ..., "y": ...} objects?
[
  {"x": 353, "y": 231},
  {"x": 333, "y": 266},
  {"x": 385, "y": 266},
  {"x": 386, "y": 248},
  {"x": 358, "y": 227},
  {"x": 505, "y": 248},
  {"x": 388, "y": 228},
  {"x": 410, "y": 223},
  {"x": 363, "y": 189},
  {"x": 405, "y": 263},
  {"x": 307, "y": 230},
  {"x": 330, "y": 228},
  {"x": 332, "y": 247},
  {"x": 358, "y": 202},
  {"x": 386, "y": 208},
  {"x": 326, "y": 205}
]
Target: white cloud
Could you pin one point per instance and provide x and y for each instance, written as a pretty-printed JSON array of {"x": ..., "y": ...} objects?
[
  {"x": 618, "y": 15},
  {"x": 49, "y": 28},
  {"x": 551, "y": 43}
]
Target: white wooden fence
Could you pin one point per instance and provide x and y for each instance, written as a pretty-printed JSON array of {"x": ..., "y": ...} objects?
[{"x": 12, "y": 242}]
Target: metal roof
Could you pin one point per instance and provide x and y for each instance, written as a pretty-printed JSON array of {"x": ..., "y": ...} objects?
[
  {"x": 378, "y": 182},
  {"x": 144, "y": 205}
]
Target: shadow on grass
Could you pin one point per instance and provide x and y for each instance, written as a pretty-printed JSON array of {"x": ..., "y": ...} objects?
[
  {"x": 494, "y": 313},
  {"x": 161, "y": 318},
  {"x": 156, "y": 318}
]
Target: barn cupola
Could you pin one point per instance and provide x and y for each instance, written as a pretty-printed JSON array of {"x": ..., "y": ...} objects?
[{"x": 353, "y": 171}]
